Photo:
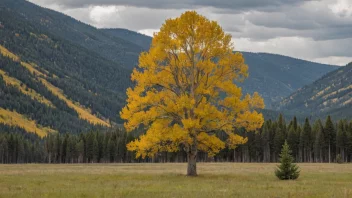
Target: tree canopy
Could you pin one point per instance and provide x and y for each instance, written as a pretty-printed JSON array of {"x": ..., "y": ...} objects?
[{"x": 185, "y": 90}]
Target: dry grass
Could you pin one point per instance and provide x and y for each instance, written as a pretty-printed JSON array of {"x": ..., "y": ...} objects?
[
  {"x": 15, "y": 119},
  {"x": 168, "y": 180}
]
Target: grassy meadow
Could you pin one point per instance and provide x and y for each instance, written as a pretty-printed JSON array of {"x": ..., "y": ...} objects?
[{"x": 169, "y": 180}]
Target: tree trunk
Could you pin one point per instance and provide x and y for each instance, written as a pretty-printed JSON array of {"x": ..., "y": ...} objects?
[
  {"x": 192, "y": 164},
  {"x": 329, "y": 153},
  {"x": 192, "y": 161},
  {"x": 49, "y": 158}
]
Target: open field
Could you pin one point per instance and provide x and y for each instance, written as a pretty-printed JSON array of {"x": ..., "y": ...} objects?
[{"x": 168, "y": 180}]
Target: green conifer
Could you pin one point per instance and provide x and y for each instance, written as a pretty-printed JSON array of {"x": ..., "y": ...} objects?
[{"x": 287, "y": 170}]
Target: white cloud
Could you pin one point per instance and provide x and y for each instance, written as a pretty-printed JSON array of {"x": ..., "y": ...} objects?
[
  {"x": 342, "y": 8},
  {"x": 334, "y": 60},
  {"x": 148, "y": 32},
  {"x": 100, "y": 13}
]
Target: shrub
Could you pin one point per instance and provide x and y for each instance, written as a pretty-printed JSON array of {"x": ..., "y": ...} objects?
[{"x": 339, "y": 159}]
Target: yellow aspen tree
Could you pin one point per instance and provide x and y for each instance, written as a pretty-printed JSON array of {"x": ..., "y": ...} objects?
[{"x": 185, "y": 91}]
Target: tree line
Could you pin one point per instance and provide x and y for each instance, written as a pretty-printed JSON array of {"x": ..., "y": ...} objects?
[{"x": 318, "y": 141}]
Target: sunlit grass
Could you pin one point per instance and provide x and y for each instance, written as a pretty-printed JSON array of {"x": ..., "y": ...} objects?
[{"x": 169, "y": 180}]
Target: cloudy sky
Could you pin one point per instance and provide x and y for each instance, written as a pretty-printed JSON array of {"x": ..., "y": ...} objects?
[{"x": 316, "y": 30}]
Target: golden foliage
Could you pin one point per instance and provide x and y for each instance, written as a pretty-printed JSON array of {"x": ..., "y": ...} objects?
[
  {"x": 24, "y": 89},
  {"x": 84, "y": 113},
  {"x": 185, "y": 90},
  {"x": 15, "y": 119},
  {"x": 9, "y": 54}
]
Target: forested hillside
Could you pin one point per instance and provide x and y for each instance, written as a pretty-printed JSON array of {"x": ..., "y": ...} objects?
[
  {"x": 120, "y": 51},
  {"x": 51, "y": 82},
  {"x": 137, "y": 38},
  {"x": 276, "y": 76},
  {"x": 330, "y": 95},
  {"x": 273, "y": 76}
]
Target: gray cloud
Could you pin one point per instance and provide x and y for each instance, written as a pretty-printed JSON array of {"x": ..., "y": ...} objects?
[
  {"x": 315, "y": 20},
  {"x": 181, "y": 4},
  {"x": 317, "y": 30}
]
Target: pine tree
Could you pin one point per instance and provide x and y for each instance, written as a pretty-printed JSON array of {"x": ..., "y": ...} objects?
[
  {"x": 57, "y": 146},
  {"x": 349, "y": 141},
  {"x": 64, "y": 149},
  {"x": 295, "y": 125},
  {"x": 265, "y": 136},
  {"x": 287, "y": 170},
  {"x": 300, "y": 148},
  {"x": 100, "y": 141},
  {"x": 341, "y": 139},
  {"x": 80, "y": 151},
  {"x": 282, "y": 125},
  {"x": 95, "y": 150},
  {"x": 279, "y": 140},
  {"x": 329, "y": 132},
  {"x": 20, "y": 150},
  {"x": 49, "y": 146},
  {"x": 3, "y": 150},
  {"x": 293, "y": 141},
  {"x": 318, "y": 141},
  {"x": 258, "y": 152},
  {"x": 306, "y": 141},
  {"x": 111, "y": 150},
  {"x": 90, "y": 146},
  {"x": 70, "y": 149}
]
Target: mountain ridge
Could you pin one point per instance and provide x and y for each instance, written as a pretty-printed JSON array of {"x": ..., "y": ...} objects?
[
  {"x": 329, "y": 95},
  {"x": 61, "y": 74},
  {"x": 268, "y": 73}
]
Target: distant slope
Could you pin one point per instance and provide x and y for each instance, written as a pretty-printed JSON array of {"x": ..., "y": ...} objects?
[
  {"x": 273, "y": 76},
  {"x": 277, "y": 76},
  {"x": 121, "y": 51},
  {"x": 134, "y": 37},
  {"x": 50, "y": 80},
  {"x": 30, "y": 101},
  {"x": 331, "y": 94}
]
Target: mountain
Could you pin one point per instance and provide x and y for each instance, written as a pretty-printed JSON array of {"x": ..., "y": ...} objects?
[
  {"x": 273, "y": 76},
  {"x": 51, "y": 80},
  {"x": 120, "y": 51},
  {"x": 141, "y": 40},
  {"x": 60, "y": 75},
  {"x": 276, "y": 76},
  {"x": 330, "y": 95}
]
